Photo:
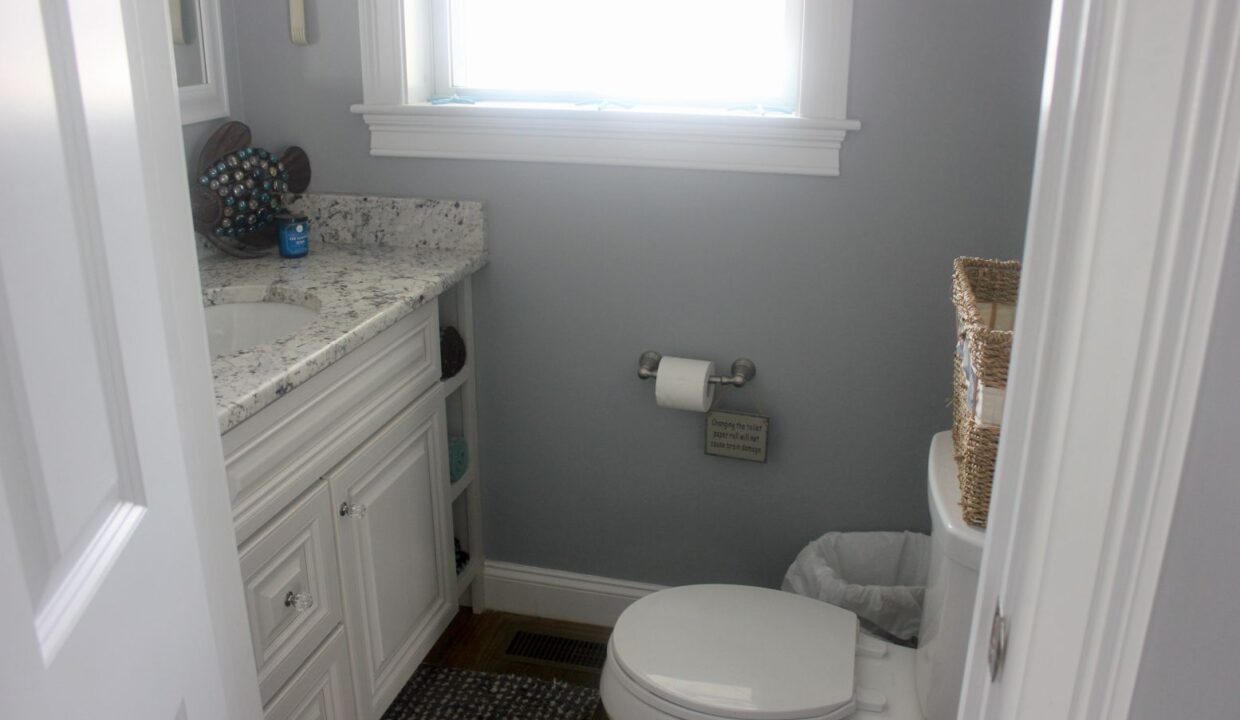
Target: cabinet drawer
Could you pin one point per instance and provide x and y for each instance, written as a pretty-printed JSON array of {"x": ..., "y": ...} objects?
[
  {"x": 394, "y": 550},
  {"x": 275, "y": 455},
  {"x": 322, "y": 689},
  {"x": 294, "y": 558}
]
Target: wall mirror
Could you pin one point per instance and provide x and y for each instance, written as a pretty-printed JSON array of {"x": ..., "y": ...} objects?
[{"x": 199, "y": 53}]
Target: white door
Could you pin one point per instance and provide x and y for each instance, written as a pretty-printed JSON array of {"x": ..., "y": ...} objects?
[
  {"x": 104, "y": 608},
  {"x": 1134, "y": 194}
]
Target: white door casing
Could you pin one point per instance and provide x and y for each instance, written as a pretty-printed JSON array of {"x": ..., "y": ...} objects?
[
  {"x": 1134, "y": 193},
  {"x": 116, "y": 601}
]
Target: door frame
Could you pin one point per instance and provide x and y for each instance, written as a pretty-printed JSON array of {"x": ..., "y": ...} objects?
[
  {"x": 1134, "y": 196},
  {"x": 166, "y": 182}
]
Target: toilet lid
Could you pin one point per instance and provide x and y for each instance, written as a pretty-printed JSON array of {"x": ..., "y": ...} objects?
[{"x": 739, "y": 652}]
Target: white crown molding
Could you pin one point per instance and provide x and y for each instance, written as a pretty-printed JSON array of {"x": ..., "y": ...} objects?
[{"x": 560, "y": 595}]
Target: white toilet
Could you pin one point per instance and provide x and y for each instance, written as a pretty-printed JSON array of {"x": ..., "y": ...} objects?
[{"x": 708, "y": 652}]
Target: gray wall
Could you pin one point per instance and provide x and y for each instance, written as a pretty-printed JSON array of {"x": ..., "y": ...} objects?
[
  {"x": 1193, "y": 647},
  {"x": 836, "y": 287}
]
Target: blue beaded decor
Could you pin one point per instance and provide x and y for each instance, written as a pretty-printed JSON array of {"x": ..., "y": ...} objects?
[{"x": 239, "y": 189}]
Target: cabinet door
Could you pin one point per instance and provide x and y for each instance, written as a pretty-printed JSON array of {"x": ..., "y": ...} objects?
[
  {"x": 393, "y": 530},
  {"x": 322, "y": 689}
]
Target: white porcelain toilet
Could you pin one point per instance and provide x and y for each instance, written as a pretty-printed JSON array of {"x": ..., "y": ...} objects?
[{"x": 707, "y": 652}]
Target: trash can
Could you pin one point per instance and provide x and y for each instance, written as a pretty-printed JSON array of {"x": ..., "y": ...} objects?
[{"x": 880, "y": 576}]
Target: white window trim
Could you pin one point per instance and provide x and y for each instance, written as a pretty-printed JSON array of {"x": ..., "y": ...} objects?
[
  {"x": 209, "y": 99},
  {"x": 398, "y": 73}
]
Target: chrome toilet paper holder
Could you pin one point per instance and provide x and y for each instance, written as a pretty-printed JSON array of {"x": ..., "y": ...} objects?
[{"x": 743, "y": 370}]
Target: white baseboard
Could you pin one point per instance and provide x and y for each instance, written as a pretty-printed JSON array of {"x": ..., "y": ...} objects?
[{"x": 560, "y": 595}]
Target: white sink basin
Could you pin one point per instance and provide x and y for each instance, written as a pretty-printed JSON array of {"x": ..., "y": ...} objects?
[{"x": 237, "y": 320}]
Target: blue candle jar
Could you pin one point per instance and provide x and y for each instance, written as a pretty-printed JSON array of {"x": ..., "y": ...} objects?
[{"x": 294, "y": 234}]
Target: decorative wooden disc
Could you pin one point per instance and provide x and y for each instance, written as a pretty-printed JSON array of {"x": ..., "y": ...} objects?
[{"x": 297, "y": 165}]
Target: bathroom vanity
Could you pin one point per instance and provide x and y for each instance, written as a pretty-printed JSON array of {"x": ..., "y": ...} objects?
[{"x": 336, "y": 447}]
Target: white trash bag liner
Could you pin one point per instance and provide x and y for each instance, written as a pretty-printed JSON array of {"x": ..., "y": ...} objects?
[{"x": 881, "y": 576}]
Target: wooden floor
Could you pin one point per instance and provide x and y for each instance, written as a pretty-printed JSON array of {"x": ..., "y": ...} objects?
[{"x": 477, "y": 642}]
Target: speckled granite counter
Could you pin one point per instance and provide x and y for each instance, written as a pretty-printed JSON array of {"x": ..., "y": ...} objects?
[{"x": 361, "y": 288}]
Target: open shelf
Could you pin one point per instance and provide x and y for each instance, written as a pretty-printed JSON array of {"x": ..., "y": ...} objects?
[
  {"x": 466, "y": 576},
  {"x": 463, "y": 530},
  {"x": 464, "y": 495},
  {"x": 455, "y": 382},
  {"x": 454, "y": 404},
  {"x": 458, "y": 421},
  {"x": 460, "y": 486}
]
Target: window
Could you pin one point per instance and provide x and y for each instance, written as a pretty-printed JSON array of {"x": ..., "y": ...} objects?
[
  {"x": 688, "y": 54},
  {"x": 751, "y": 85}
]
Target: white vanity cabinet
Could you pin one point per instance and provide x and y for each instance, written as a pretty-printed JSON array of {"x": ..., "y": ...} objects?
[
  {"x": 279, "y": 452},
  {"x": 343, "y": 522}
]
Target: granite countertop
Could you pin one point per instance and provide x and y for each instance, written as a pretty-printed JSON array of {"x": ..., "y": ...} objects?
[{"x": 359, "y": 288}]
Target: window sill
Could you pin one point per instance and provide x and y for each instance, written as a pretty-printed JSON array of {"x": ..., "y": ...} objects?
[{"x": 765, "y": 144}]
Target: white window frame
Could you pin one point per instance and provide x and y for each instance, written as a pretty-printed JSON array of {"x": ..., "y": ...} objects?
[
  {"x": 399, "y": 71},
  {"x": 209, "y": 99}
]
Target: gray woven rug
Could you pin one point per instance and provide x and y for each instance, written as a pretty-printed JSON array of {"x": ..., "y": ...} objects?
[{"x": 445, "y": 693}]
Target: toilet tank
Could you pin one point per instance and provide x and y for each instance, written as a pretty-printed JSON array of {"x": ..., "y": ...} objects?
[{"x": 955, "y": 556}]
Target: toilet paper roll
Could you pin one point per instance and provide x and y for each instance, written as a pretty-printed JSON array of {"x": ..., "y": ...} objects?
[{"x": 682, "y": 384}]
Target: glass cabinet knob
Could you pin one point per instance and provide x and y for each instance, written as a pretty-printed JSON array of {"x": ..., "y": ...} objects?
[
  {"x": 352, "y": 510},
  {"x": 299, "y": 601}
]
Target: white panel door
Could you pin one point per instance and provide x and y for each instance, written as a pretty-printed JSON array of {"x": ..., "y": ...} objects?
[
  {"x": 104, "y": 599},
  {"x": 394, "y": 537},
  {"x": 1133, "y": 207}
]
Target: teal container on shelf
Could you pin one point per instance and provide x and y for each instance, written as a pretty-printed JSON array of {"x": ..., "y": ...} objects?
[{"x": 458, "y": 457}]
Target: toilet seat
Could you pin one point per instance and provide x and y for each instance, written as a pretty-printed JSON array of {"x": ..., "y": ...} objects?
[
  {"x": 707, "y": 652},
  {"x": 624, "y": 698}
]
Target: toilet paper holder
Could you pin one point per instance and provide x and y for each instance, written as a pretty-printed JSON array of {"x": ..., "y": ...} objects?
[{"x": 743, "y": 370}]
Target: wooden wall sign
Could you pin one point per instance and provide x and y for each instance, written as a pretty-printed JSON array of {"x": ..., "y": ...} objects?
[{"x": 741, "y": 436}]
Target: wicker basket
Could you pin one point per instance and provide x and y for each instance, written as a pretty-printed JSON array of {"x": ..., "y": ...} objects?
[{"x": 977, "y": 282}]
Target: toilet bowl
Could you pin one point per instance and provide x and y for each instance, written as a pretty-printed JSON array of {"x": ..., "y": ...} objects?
[
  {"x": 704, "y": 652},
  {"x": 715, "y": 652}
]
